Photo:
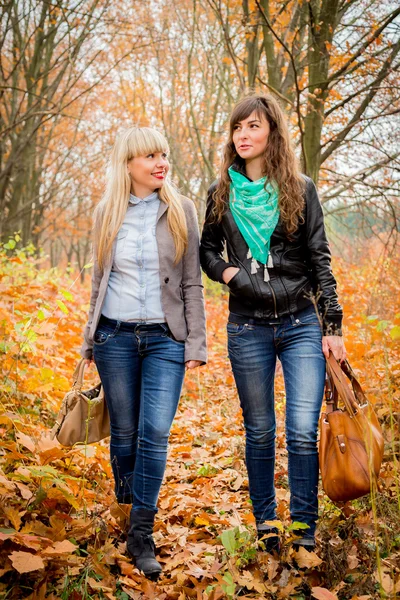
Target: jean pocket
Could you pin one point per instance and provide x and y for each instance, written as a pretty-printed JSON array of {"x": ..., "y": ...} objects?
[
  {"x": 307, "y": 316},
  {"x": 235, "y": 329},
  {"x": 171, "y": 337},
  {"x": 167, "y": 334},
  {"x": 100, "y": 337}
]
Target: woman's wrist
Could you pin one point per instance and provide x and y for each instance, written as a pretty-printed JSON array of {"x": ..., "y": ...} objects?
[{"x": 229, "y": 273}]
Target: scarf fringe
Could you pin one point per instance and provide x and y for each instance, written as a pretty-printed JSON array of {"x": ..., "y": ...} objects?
[{"x": 254, "y": 266}]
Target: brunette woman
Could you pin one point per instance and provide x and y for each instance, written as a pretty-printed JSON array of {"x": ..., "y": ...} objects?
[
  {"x": 270, "y": 218},
  {"x": 146, "y": 320}
]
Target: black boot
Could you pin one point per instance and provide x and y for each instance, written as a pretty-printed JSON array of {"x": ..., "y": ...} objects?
[
  {"x": 141, "y": 544},
  {"x": 271, "y": 543}
]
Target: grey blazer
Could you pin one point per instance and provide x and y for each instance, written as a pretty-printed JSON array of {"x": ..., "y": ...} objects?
[{"x": 181, "y": 288}]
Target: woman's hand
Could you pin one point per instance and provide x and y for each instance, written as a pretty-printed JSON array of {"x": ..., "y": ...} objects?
[
  {"x": 229, "y": 273},
  {"x": 192, "y": 364},
  {"x": 88, "y": 362},
  {"x": 335, "y": 344}
]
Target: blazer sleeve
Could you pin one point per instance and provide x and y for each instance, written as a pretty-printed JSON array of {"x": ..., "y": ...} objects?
[
  {"x": 86, "y": 350},
  {"x": 192, "y": 290},
  {"x": 320, "y": 263},
  {"x": 213, "y": 243}
]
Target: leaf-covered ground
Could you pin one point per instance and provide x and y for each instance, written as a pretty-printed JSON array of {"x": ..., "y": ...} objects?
[{"x": 63, "y": 536}]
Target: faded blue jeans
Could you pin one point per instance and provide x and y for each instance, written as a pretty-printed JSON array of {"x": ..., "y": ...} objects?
[
  {"x": 141, "y": 368},
  {"x": 253, "y": 349}
]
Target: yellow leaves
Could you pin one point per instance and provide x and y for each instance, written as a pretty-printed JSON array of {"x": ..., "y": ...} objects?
[
  {"x": 25, "y": 562},
  {"x": 277, "y": 524},
  {"x": 201, "y": 521},
  {"x": 61, "y": 494},
  {"x": 13, "y": 516},
  {"x": 62, "y": 306}
]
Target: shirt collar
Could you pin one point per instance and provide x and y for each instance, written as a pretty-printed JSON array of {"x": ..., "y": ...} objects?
[{"x": 135, "y": 200}]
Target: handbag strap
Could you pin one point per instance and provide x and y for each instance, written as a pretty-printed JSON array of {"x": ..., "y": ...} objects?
[
  {"x": 358, "y": 391},
  {"x": 337, "y": 373},
  {"x": 77, "y": 378},
  {"x": 331, "y": 394}
]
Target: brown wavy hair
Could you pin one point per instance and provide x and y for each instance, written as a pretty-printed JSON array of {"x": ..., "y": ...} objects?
[{"x": 280, "y": 162}]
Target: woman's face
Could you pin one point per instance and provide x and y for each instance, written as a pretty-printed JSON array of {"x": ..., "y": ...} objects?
[
  {"x": 250, "y": 136},
  {"x": 148, "y": 173}
]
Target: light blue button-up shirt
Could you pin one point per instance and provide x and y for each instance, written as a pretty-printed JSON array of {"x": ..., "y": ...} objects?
[{"x": 134, "y": 292}]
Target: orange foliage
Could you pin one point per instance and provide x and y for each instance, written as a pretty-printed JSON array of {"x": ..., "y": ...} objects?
[{"x": 62, "y": 532}]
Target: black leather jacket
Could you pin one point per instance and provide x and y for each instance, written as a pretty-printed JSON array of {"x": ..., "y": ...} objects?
[{"x": 302, "y": 266}]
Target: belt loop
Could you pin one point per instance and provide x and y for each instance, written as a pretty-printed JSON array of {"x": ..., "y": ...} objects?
[{"x": 116, "y": 328}]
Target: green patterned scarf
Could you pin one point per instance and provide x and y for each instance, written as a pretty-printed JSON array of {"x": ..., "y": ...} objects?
[{"x": 254, "y": 205}]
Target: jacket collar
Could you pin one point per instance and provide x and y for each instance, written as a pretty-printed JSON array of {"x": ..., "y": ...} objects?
[
  {"x": 161, "y": 209},
  {"x": 240, "y": 166}
]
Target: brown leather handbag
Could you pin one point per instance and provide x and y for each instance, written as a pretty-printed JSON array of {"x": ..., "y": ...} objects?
[
  {"x": 351, "y": 440},
  {"x": 83, "y": 417}
]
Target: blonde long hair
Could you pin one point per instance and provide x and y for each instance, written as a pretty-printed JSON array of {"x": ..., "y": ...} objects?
[
  {"x": 110, "y": 213},
  {"x": 280, "y": 163}
]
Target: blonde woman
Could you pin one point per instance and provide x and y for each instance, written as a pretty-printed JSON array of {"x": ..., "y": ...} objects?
[{"x": 146, "y": 320}]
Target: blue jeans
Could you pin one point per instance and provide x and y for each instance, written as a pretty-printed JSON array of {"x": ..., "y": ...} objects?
[
  {"x": 253, "y": 350},
  {"x": 142, "y": 369}
]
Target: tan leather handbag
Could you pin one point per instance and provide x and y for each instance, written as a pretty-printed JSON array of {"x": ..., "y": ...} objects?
[
  {"x": 351, "y": 440},
  {"x": 83, "y": 417}
]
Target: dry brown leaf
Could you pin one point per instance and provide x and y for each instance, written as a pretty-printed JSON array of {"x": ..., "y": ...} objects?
[
  {"x": 149, "y": 589},
  {"x": 98, "y": 585},
  {"x": 237, "y": 484},
  {"x": 64, "y": 547},
  {"x": 9, "y": 485},
  {"x": 272, "y": 567},
  {"x": 46, "y": 443},
  {"x": 126, "y": 567},
  {"x": 323, "y": 594},
  {"x": 25, "y": 562},
  {"x": 30, "y": 541},
  {"x": 352, "y": 559},
  {"x": 386, "y": 581},
  {"x": 288, "y": 590},
  {"x": 305, "y": 559},
  {"x": 25, "y": 491},
  {"x": 26, "y": 441}
]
